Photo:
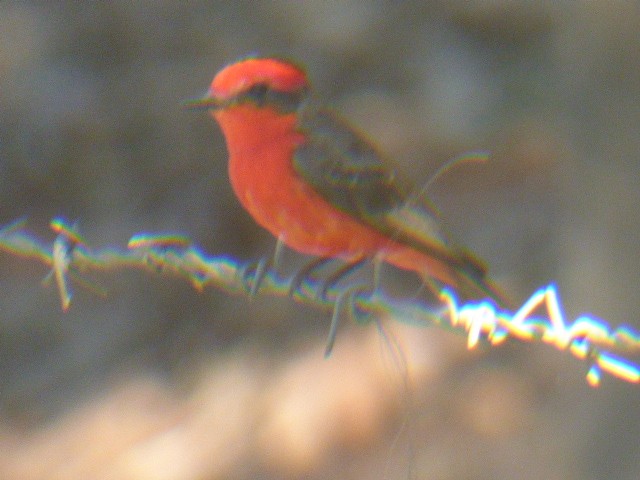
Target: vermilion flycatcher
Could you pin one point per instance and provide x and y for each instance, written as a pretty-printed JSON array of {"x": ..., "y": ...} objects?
[{"x": 316, "y": 184}]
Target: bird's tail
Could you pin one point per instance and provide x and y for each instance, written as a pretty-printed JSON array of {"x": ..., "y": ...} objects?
[{"x": 470, "y": 282}]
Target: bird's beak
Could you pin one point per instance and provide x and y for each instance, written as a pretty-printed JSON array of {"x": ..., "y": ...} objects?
[{"x": 204, "y": 103}]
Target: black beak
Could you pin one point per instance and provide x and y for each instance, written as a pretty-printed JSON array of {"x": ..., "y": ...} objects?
[{"x": 205, "y": 103}]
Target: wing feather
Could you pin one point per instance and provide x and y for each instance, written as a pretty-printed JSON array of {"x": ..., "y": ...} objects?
[{"x": 346, "y": 170}]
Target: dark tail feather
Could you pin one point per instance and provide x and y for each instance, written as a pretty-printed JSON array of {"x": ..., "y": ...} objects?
[
  {"x": 478, "y": 288},
  {"x": 471, "y": 284}
]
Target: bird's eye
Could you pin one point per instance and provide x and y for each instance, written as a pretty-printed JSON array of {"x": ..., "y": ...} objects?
[
  {"x": 264, "y": 95},
  {"x": 258, "y": 93}
]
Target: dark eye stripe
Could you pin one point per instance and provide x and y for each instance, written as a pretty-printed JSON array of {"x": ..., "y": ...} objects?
[{"x": 261, "y": 95}]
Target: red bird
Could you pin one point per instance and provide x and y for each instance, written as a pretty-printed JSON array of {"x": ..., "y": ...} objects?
[{"x": 321, "y": 188}]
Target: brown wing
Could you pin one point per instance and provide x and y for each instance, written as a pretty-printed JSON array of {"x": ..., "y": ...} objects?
[{"x": 346, "y": 170}]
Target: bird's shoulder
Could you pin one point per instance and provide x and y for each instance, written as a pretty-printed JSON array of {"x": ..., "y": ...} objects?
[{"x": 343, "y": 165}]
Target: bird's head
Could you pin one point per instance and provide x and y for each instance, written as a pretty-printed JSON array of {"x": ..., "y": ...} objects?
[{"x": 261, "y": 81}]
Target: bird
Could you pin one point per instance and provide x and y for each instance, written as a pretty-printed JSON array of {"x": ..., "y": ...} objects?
[{"x": 321, "y": 187}]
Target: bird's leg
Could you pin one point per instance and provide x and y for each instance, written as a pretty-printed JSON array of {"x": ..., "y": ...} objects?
[
  {"x": 343, "y": 297},
  {"x": 338, "y": 275},
  {"x": 260, "y": 269},
  {"x": 366, "y": 291},
  {"x": 304, "y": 273}
]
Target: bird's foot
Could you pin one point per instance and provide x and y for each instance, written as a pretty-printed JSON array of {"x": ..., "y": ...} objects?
[{"x": 254, "y": 274}]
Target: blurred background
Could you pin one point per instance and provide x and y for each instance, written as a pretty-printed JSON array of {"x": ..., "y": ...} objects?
[{"x": 158, "y": 381}]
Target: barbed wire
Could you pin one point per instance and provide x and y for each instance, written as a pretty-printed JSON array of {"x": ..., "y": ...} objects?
[{"x": 540, "y": 318}]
